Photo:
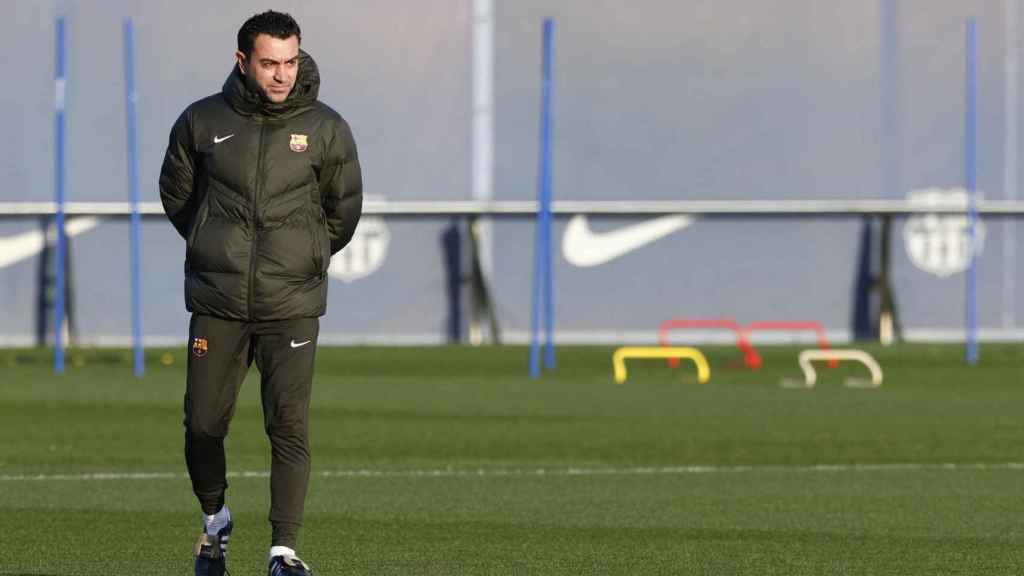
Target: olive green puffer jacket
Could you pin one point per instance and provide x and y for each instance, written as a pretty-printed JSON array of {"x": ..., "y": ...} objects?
[{"x": 263, "y": 194}]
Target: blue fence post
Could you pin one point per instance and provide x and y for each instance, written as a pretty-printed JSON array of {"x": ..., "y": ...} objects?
[
  {"x": 131, "y": 97},
  {"x": 543, "y": 284},
  {"x": 970, "y": 169},
  {"x": 60, "y": 82}
]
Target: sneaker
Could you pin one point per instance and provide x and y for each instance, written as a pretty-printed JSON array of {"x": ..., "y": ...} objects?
[
  {"x": 288, "y": 566},
  {"x": 212, "y": 551}
]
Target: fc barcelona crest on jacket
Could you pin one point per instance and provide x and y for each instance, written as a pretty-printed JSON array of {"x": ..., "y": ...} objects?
[
  {"x": 199, "y": 347},
  {"x": 299, "y": 143}
]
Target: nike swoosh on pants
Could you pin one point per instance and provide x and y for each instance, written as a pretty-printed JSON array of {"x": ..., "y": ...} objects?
[{"x": 583, "y": 247}]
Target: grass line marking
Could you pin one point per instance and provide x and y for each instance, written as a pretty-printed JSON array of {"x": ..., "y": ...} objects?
[{"x": 545, "y": 472}]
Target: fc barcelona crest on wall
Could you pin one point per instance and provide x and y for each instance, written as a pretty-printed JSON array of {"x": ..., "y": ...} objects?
[
  {"x": 940, "y": 243},
  {"x": 199, "y": 347},
  {"x": 299, "y": 143}
]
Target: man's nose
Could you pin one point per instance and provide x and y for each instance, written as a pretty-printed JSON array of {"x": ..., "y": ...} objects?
[{"x": 278, "y": 75}]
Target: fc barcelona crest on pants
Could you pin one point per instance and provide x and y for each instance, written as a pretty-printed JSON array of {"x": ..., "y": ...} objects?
[
  {"x": 199, "y": 347},
  {"x": 299, "y": 143}
]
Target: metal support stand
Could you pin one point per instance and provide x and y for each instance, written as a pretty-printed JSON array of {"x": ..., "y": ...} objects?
[
  {"x": 889, "y": 329},
  {"x": 46, "y": 285},
  {"x": 482, "y": 304}
]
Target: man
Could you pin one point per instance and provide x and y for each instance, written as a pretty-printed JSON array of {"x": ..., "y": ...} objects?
[{"x": 263, "y": 182}]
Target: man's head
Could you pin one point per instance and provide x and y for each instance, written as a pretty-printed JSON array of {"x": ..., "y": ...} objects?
[{"x": 268, "y": 53}]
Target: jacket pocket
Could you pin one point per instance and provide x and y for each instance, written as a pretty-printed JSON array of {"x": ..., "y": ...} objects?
[
  {"x": 321, "y": 256},
  {"x": 193, "y": 233}
]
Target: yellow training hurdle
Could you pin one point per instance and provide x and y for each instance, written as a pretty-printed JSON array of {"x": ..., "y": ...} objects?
[{"x": 620, "y": 356}]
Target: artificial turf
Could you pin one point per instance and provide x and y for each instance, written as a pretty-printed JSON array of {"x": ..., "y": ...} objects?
[{"x": 451, "y": 460}]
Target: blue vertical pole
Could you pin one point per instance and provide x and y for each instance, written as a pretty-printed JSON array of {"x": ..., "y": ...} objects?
[
  {"x": 542, "y": 299},
  {"x": 970, "y": 168},
  {"x": 58, "y": 312},
  {"x": 131, "y": 97},
  {"x": 549, "y": 284}
]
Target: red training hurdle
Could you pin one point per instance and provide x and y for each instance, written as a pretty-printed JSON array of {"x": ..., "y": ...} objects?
[
  {"x": 816, "y": 327},
  {"x": 750, "y": 356}
]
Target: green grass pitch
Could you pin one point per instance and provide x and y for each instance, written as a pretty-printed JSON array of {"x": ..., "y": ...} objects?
[{"x": 451, "y": 461}]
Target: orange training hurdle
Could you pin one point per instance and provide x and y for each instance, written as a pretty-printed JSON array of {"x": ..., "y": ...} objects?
[
  {"x": 770, "y": 325},
  {"x": 750, "y": 355},
  {"x": 751, "y": 358}
]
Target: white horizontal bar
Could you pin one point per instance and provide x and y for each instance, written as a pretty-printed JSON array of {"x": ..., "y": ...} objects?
[
  {"x": 562, "y": 337},
  {"x": 572, "y": 207}
]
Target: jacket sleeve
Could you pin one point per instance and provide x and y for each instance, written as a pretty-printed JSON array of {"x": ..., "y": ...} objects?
[
  {"x": 341, "y": 187},
  {"x": 177, "y": 176}
]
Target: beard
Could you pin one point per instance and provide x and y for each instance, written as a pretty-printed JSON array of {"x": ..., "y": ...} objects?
[{"x": 254, "y": 87}]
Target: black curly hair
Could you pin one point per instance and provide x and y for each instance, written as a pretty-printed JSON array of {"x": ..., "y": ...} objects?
[{"x": 276, "y": 24}]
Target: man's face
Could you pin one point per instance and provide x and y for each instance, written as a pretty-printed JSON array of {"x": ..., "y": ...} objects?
[{"x": 272, "y": 66}]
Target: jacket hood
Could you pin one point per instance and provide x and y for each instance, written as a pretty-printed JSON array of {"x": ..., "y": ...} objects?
[{"x": 250, "y": 101}]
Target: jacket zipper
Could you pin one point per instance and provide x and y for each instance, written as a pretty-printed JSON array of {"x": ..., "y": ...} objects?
[{"x": 256, "y": 224}]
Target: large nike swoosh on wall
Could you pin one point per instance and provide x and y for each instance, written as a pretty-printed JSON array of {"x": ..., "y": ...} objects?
[
  {"x": 583, "y": 247},
  {"x": 14, "y": 249}
]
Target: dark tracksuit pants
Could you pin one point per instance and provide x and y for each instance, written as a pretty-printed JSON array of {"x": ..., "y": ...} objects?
[{"x": 220, "y": 353}]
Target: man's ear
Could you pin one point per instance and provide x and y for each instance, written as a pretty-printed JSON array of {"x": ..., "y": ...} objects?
[{"x": 240, "y": 58}]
